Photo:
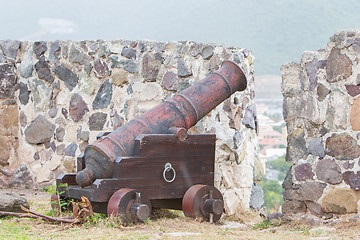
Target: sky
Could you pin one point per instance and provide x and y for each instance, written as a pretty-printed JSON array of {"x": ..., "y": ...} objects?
[{"x": 277, "y": 32}]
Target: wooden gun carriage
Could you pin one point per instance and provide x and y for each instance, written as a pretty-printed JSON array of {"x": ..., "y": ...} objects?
[{"x": 152, "y": 161}]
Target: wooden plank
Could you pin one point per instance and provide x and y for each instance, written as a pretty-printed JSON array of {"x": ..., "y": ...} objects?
[
  {"x": 153, "y": 188},
  {"x": 66, "y": 178},
  {"x": 147, "y": 145},
  {"x": 80, "y": 162},
  {"x": 102, "y": 189},
  {"x": 192, "y": 160},
  {"x": 167, "y": 203},
  {"x": 147, "y": 173},
  {"x": 94, "y": 195},
  {"x": 152, "y": 167}
]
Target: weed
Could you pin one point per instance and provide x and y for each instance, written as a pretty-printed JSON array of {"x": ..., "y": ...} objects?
[
  {"x": 59, "y": 203},
  {"x": 147, "y": 221},
  {"x": 7, "y": 218},
  {"x": 96, "y": 219},
  {"x": 319, "y": 232},
  {"x": 303, "y": 230},
  {"x": 14, "y": 230},
  {"x": 158, "y": 213},
  {"x": 223, "y": 231},
  {"x": 144, "y": 237},
  {"x": 263, "y": 225}
]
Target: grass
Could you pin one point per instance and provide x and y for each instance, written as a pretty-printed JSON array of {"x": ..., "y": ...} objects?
[
  {"x": 263, "y": 225},
  {"x": 163, "y": 224}
]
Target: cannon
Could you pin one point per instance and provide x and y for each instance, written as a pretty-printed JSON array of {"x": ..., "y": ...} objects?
[{"x": 152, "y": 161}]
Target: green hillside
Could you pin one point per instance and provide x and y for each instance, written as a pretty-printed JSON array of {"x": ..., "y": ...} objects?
[{"x": 277, "y": 31}]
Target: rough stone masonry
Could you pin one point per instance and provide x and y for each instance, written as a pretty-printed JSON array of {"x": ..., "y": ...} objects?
[
  {"x": 57, "y": 96},
  {"x": 322, "y": 112}
]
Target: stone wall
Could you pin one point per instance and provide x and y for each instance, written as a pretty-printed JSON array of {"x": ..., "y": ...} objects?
[
  {"x": 57, "y": 96},
  {"x": 321, "y": 109}
]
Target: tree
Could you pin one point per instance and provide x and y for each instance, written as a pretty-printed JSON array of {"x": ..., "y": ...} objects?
[
  {"x": 272, "y": 189},
  {"x": 272, "y": 194}
]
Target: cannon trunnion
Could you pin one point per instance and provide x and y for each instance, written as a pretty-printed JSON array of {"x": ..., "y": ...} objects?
[{"x": 165, "y": 172}]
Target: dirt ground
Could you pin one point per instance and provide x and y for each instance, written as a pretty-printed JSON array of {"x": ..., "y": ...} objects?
[{"x": 167, "y": 225}]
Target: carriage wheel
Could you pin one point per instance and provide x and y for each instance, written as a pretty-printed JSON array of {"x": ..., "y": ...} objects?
[
  {"x": 203, "y": 202},
  {"x": 129, "y": 204}
]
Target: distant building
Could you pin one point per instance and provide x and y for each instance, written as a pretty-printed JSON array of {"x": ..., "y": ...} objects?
[{"x": 272, "y": 142}]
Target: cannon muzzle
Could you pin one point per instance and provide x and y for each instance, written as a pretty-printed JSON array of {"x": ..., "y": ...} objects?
[{"x": 172, "y": 116}]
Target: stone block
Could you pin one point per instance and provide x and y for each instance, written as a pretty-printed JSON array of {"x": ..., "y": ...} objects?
[
  {"x": 353, "y": 90},
  {"x": 78, "y": 56},
  {"x": 8, "y": 81},
  {"x": 328, "y": 171},
  {"x": 41, "y": 95},
  {"x": 24, "y": 94},
  {"x": 288, "y": 180},
  {"x": 352, "y": 179},
  {"x": 340, "y": 201},
  {"x": 259, "y": 170},
  {"x": 54, "y": 52},
  {"x": 43, "y": 70},
  {"x": 338, "y": 66},
  {"x": 151, "y": 67},
  {"x": 69, "y": 77},
  {"x": 11, "y": 202},
  {"x": 9, "y": 121},
  {"x": 322, "y": 92},
  {"x": 129, "y": 53},
  {"x": 10, "y": 49},
  {"x": 100, "y": 68},
  {"x": 71, "y": 149},
  {"x": 169, "y": 80},
  {"x": 311, "y": 191},
  {"x": 27, "y": 65},
  {"x": 342, "y": 146},
  {"x": 39, "y": 131},
  {"x": 22, "y": 177},
  {"x": 290, "y": 194},
  {"x": 291, "y": 81},
  {"x": 296, "y": 148},
  {"x": 293, "y": 207},
  {"x": 355, "y": 115},
  {"x": 183, "y": 71},
  {"x": 348, "y": 165},
  {"x": 5, "y": 151},
  {"x": 97, "y": 121},
  {"x": 302, "y": 106},
  {"x": 249, "y": 119},
  {"x": 119, "y": 78},
  {"x": 39, "y": 48},
  {"x": 337, "y": 111},
  {"x": 314, "y": 208},
  {"x": 316, "y": 147},
  {"x": 77, "y": 107},
  {"x": 303, "y": 172},
  {"x": 207, "y": 52},
  {"x": 256, "y": 197},
  {"x": 103, "y": 96},
  {"x": 311, "y": 69},
  {"x": 69, "y": 164}
]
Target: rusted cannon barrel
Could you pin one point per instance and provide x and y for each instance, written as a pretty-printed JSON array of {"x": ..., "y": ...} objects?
[{"x": 174, "y": 115}]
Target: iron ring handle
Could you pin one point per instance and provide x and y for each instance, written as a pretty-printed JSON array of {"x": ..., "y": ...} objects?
[{"x": 168, "y": 167}]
